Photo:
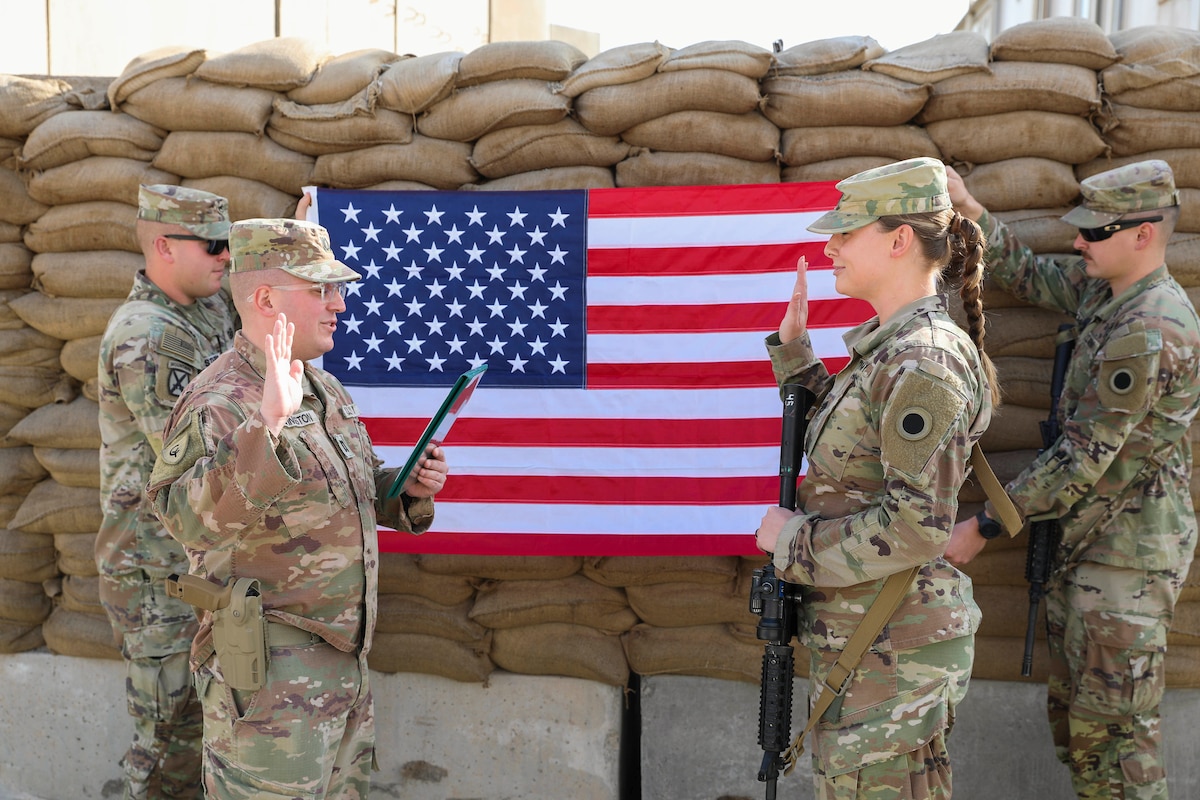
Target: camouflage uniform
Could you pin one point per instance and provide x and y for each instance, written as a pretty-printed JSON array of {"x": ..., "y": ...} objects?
[
  {"x": 150, "y": 350},
  {"x": 1118, "y": 481},
  {"x": 888, "y": 449},
  {"x": 298, "y": 513}
]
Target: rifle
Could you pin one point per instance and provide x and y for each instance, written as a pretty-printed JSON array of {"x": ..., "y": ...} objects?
[
  {"x": 775, "y": 602},
  {"x": 1045, "y": 534}
]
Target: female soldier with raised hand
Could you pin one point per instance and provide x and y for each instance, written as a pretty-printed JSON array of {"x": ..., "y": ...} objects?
[{"x": 888, "y": 450}]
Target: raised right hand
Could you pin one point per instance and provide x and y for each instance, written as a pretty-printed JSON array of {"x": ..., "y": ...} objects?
[
  {"x": 282, "y": 387},
  {"x": 795, "y": 320}
]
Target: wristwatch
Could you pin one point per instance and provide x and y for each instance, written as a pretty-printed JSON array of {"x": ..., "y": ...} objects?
[{"x": 988, "y": 527}]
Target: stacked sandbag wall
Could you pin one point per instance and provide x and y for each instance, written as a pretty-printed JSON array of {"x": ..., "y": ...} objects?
[{"x": 1023, "y": 120}]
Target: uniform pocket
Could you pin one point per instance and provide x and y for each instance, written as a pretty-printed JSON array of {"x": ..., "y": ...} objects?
[
  {"x": 884, "y": 730},
  {"x": 1124, "y": 665},
  {"x": 1128, "y": 368}
]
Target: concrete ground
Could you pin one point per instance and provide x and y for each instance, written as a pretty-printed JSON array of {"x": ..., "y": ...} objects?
[{"x": 63, "y": 727}]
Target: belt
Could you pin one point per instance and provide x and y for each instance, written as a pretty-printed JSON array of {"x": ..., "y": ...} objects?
[{"x": 280, "y": 634}]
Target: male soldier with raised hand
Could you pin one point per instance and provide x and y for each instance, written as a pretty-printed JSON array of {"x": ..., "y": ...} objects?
[
  {"x": 1118, "y": 477},
  {"x": 175, "y": 320},
  {"x": 269, "y": 480}
]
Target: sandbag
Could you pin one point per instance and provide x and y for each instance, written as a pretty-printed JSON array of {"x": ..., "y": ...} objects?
[
  {"x": 609, "y": 110},
  {"x": 65, "y": 318},
  {"x": 509, "y": 568},
  {"x": 9, "y": 232},
  {"x": 191, "y": 104},
  {"x": 1017, "y": 134},
  {"x": 163, "y": 62},
  {"x": 677, "y": 605},
  {"x": 204, "y": 154},
  {"x": 71, "y": 466},
  {"x": 692, "y": 169},
  {"x": 850, "y": 97},
  {"x": 91, "y": 225},
  {"x": 315, "y": 136},
  {"x": 559, "y": 648},
  {"x": 615, "y": 66},
  {"x": 525, "y": 148},
  {"x": 750, "y": 137},
  {"x": 73, "y": 135},
  {"x": 96, "y": 178},
  {"x": 432, "y": 655},
  {"x": 16, "y": 206},
  {"x": 1025, "y": 381},
  {"x": 26, "y": 556},
  {"x": 1041, "y": 229},
  {"x": 827, "y": 55},
  {"x": 799, "y": 146},
  {"x": 1063, "y": 40},
  {"x": 280, "y": 64},
  {"x": 549, "y": 180},
  {"x": 414, "y": 84},
  {"x": 646, "y": 570},
  {"x": 470, "y": 112},
  {"x": 20, "y": 470},
  {"x": 1014, "y": 428},
  {"x": 73, "y": 424},
  {"x": 25, "y": 103},
  {"x": 1151, "y": 55},
  {"x": 410, "y": 613},
  {"x": 942, "y": 56},
  {"x": 709, "y": 651},
  {"x": 575, "y": 600},
  {"x": 1025, "y": 182},
  {"x": 833, "y": 169},
  {"x": 1014, "y": 86},
  {"x": 10, "y": 415},
  {"x": 547, "y": 60},
  {"x": 743, "y": 58},
  {"x": 73, "y": 633},
  {"x": 1138, "y": 130},
  {"x": 19, "y": 637},
  {"x": 344, "y": 76},
  {"x": 1184, "y": 161},
  {"x": 34, "y": 387},
  {"x": 52, "y": 508},
  {"x": 76, "y": 553},
  {"x": 438, "y": 163},
  {"x": 399, "y": 574},
  {"x": 82, "y": 594},
  {"x": 16, "y": 262},
  {"x": 27, "y": 347},
  {"x": 248, "y": 199},
  {"x": 23, "y": 602},
  {"x": 96, "y": 273}
]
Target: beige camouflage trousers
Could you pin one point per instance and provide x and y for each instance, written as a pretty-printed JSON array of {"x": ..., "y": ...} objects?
[
  {"x": 156, "y": 630},
  {"x": 888, "y": 741},
  {"x": 308, "y": 733},
  {"x": 1107, "y": 629}
]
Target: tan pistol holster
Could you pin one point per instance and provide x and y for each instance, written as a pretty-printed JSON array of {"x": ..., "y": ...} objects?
[
  {"x": 885, "y": 605},
  {"x": 239, "y": 631}
]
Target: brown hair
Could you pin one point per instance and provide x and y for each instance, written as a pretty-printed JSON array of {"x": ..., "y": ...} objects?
[{"x": 955, "y": 244}]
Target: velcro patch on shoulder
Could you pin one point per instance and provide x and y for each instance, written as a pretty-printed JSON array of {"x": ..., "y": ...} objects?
[
  {"x": 183, "y": 450},
  {"x": 920, "y": 415},
  {"x": 176, "y": 342}
]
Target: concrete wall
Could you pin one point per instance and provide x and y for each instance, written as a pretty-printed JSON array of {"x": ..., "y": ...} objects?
[{"x": 63, "y": 728}]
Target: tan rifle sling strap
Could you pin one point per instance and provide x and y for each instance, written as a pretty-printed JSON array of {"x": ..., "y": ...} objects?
[{"x": 1010, "y": 518}]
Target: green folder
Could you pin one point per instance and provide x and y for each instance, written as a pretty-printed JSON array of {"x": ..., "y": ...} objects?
[{"x": 439, "y": 425}]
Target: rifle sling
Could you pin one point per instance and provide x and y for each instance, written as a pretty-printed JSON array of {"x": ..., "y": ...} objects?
[
  {"x": 1010, "y": 518},
  {"x": 838, "y": 679}
]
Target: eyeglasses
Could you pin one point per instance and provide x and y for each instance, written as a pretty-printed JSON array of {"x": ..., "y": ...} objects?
[
  {"x": 214, "y": 246},
  {"x": 1105, "y": 231},
  {"x": 326, "y": 291}
]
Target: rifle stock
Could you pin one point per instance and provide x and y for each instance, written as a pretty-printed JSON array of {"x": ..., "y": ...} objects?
[
  {"x": 774, "y": 601},
  {"x": 1045, "y": 534}
]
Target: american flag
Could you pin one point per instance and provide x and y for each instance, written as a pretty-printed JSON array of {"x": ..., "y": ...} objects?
[{"x": 629, "y": 406}]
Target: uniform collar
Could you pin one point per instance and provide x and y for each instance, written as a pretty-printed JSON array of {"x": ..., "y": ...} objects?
[{"x": 867, "y": 336}]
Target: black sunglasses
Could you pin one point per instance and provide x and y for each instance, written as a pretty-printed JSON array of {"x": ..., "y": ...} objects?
[
  {"x": 214, "y": 246},
  {"x": 1105, "y": 231}
]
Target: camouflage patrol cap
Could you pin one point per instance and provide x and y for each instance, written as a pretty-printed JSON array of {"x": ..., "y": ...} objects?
[
  {"x": 1108, "y": 196},
  {"x": 202, "y": 213},
  {"x": 914, "y": 186},
  {"x": 297, "y": 247}
]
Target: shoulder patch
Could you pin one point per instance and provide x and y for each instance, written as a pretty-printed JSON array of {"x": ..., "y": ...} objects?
[
  {"x": 172, "y": 378},
  {"x": 920, "y": 415},
  {"x": 176, "y": 342},
  {"x": 183, "y": 450}
]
